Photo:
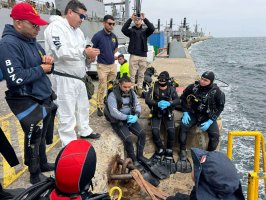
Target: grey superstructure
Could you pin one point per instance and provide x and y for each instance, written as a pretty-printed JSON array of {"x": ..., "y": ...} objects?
[{"x": 96, "y": 12}]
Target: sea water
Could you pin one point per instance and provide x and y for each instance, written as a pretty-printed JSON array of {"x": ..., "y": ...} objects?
[{"x": 241, "y": 63}]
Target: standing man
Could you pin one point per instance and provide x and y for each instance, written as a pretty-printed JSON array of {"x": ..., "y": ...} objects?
[
  {"x": 124, "y": 66},
  {"x": 24, "y": 66},
  {"x": 65, "y": 40},
  {"x": 107, "y": 42},
  {"x": 162, "y": 98},
  {"x": 138, "y": 47},
  {"x": 202, "y": 103}
]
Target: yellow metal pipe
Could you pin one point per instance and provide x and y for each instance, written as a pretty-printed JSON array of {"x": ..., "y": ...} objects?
[
  {"x": 263, "y": 160},
  {"x": 257, "y": 154},
  {"x": 230, "y": 146},
  {"x": 251, "y": 186}
]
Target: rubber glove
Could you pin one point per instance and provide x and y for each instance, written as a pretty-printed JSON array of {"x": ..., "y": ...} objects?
[
  {"x": 204, "y": 126},
  {"x": 132, "y": 119},
  {"x": 185, "y": 118},
  {"x": 129, "y": 118},
  {"x": 166, "y": 103},
  {"x": 160, "y": 104}
]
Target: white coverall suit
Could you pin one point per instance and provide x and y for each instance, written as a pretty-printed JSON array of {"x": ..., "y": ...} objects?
[{"x": 67, "y": 44}]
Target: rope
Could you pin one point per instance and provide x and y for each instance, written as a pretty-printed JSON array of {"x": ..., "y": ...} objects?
[{"x": 154, "y": 192}]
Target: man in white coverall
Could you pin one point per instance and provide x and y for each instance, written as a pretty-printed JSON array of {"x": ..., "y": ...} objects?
[{"x": 65, "y": 40}]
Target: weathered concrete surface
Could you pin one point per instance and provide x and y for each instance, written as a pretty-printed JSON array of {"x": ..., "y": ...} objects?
[{"x": 110, "y": 145}]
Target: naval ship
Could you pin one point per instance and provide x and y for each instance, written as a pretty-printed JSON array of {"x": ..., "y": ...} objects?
[{"x": 95, "y": 12}]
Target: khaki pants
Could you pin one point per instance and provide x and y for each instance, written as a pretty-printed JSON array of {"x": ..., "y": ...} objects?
[
  {"x": 137, "y": 64},
  {"x": 105, "y": 73}
]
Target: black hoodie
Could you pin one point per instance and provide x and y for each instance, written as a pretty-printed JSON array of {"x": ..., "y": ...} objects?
[{"x": 20, "y": 60}]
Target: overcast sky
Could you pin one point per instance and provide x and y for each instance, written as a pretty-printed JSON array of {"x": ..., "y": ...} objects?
[{"x": 222, "y": 18}]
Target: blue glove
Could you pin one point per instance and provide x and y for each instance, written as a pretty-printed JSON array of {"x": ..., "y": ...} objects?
[
  {"x": 131, "y": 119},
  {"x": 185, "y": 118},
  {"x": 204, "y": 126},
  {"x": 166, "y": 103},
  {"x": 160, "y": 104},
  {"x": 163, "y": 104}
]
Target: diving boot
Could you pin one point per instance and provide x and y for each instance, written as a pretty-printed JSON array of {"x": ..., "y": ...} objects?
[
  {"x": 154, "y": 167},
  {"x": 183, "y": 165},
  {"x": 168, "y": 161},
  {"x": 146, "y": 174},
  {"x": 47, "y": 167},
  {"x": 36, "y": 178}
]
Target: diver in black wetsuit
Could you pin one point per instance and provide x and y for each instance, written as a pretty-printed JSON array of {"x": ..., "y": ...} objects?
[
  {"x": 162, "y": 98},
  {"x": 202, "y": 103}
]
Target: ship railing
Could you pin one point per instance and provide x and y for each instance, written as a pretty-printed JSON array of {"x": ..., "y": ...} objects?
[{"x": 254, "y": 176}]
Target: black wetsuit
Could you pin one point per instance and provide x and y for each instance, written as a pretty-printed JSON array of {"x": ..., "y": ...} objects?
[
  {"x": 202, "y": 104},
  {"x": 166, "y": 115},
  {"x": 120, "y": 106}
]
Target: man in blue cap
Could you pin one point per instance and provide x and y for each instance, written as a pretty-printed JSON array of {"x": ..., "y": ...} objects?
[{"x": 215, "y": 178}]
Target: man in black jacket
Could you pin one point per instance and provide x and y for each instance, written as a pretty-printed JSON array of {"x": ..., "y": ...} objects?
[
  {"x": 202, "y": 103},
  {"x": 138, "y": 47}
]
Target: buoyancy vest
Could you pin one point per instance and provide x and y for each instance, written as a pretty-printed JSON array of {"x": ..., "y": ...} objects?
[
  {"x": 119, "y": 96},
  {"x": 157, "y": 96},
  {"x": 204, "y": 100}
]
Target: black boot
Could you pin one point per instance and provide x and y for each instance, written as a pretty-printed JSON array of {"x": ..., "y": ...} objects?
[
  {"x": 34, "y": 165},
  {"x": 36, "y": 178},
  {"x": 47, "y": 167},
  {"x": 44, "y": 165},
  {"x": 168, "y": 161},
  {"x": 183, "y": 165}
]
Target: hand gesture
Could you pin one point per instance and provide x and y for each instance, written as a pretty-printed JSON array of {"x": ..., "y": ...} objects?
[
  {"x": 142, "y": 16},
  {"x": 133, "y": 16},
  {"x": 92, "y": 52},
  {"x": 46, "y": 67},
  {"x": 46, "y": 59}
]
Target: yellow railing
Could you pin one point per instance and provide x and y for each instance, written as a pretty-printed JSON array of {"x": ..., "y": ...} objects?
[{"x": 253, "y": 177}]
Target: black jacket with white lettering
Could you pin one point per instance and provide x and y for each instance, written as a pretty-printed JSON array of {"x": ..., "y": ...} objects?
[{"x": 20, "y": 60}]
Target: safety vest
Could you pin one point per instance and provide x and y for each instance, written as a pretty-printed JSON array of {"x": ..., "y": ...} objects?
[{"x": 124, "y": 69}]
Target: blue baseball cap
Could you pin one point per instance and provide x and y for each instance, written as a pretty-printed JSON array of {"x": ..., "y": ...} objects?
[{"x": 215, "y": 176}]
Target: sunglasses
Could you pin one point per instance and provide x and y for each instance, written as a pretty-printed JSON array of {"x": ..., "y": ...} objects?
[
  {"x": 36, "y": 26},
  {"x": 111, "y": 24},
  {"x": 81, "y": 16},
  {"x": 163, "y": 80}
]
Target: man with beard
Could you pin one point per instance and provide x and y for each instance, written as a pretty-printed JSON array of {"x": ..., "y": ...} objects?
[
  {"x": 107, "y": 42},
  {"x": 202, "y": 103}
]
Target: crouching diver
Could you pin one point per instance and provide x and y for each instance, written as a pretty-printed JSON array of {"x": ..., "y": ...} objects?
[
  {"x": 202, "y": 103},
  {"x": 75, "y": 167},
  {"x": 215, "y": 178},
  {"x": 162, "y": 98},
  {"x": 122, "y": 111}
]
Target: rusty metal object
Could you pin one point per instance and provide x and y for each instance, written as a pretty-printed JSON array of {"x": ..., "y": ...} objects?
[{"x": 120, "y": 169}]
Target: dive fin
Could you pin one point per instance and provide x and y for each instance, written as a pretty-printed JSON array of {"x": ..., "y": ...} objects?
[
  {"x": 169, "y": 163},
  {"x": 147, "y": 174},
  {"x": 155, "y": 168},
  {"x": 183, "y": 165}
]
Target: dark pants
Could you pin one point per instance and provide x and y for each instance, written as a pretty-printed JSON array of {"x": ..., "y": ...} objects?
[
  {"x": 213, "y": 133},
  {"x": 124, "y": 132},
  {"x": 170, "y": 129},
  {"x": 35, "y": 118}
]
